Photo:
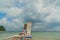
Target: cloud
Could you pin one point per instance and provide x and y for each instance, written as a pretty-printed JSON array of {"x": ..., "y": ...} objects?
[
  {"x": 57, "y": 28},
  {"x": 12, "y": 21},
  {"x": 14, "y": 11},
  {"x": 44, "y": 14},
  {"x": 11, "y": 26},
  {"x": 42, "y": 11}
]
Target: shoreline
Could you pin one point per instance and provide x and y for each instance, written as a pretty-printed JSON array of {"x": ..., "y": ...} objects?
[{"x": 2, "y": 31}]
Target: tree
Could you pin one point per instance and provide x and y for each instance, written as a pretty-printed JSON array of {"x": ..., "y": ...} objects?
[{"x": 2, "y": 28}]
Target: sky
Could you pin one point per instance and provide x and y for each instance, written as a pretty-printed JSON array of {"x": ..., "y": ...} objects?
[{"x": 44, "y": 14}]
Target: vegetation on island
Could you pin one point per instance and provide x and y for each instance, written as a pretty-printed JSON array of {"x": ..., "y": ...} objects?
[{"x": 2, "y": 28}]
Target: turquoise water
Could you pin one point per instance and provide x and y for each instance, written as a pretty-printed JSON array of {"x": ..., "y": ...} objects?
[{"x": 36, "y": 35}]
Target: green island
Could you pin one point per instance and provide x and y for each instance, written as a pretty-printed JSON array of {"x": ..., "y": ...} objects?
[{"x": 2, "y": 28}]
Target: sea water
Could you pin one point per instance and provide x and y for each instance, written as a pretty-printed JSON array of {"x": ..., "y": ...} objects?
[{"x": 35, "y": 35}]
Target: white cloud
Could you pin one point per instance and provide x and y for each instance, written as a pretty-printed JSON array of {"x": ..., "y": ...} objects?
[
  {"x": 57, "y": 28},
  {"x": 16, "y": 20},
  {"x": 53, "y": 17},
  {"x": 3, "y": 21},
  {"x": 44, "y": 11},
  {"x": 14, "y": 11},
  {"x": 41, "y": 8},
  {"x": 11, "y": 26}
]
